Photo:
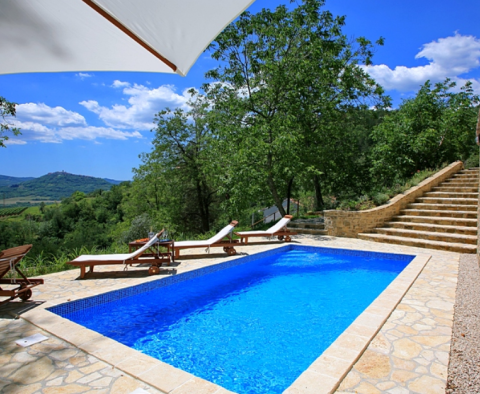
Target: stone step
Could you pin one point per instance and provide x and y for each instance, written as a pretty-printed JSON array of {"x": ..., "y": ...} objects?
[
  {"x": 443, "y": 213},
  {"x": 465, "y": 178},
  {"x": 451, "y": 195},
  {"x": 460, "y": 189},
  {"x": 308, "y": 231},
  {"x": 461, "y": 180},
  {"x": 422, "y": 243},
  {"x": 443, "y": 200},
  {"x": 461, "y": 184},
  {"x": 436, "y": 220},
  {"x": 433, "y": 227},
  {"x": 431, "y": 235},
  {"x": 448, "y": 207}
]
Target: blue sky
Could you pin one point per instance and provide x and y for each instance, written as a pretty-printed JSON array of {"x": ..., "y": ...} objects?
[{"x": 98, "y": 123}]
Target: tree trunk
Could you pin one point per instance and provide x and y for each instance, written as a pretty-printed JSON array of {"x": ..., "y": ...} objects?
[
  {"x": 201, "y": 208},
  {"x": 276, "y": 197},
  {"x": 271, "y": 184},
  {"x": 319, "y": 204},
  {"x": 289, "y": 194},
  {"x": 157, "y": 202}
]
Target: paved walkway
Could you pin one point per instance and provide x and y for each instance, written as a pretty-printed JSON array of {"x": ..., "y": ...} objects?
[{"x": 409, "y": 354}]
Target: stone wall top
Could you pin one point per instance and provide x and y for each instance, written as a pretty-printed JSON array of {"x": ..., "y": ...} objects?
[{"x": 351, "y": 223}]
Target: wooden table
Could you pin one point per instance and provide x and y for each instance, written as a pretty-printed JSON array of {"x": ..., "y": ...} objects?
[{"x": 154, "y": 250}]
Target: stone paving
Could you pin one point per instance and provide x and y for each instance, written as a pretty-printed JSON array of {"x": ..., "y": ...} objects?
[
  {"x": 55, "y": 366},
  {"x": 409, "y": 354}
]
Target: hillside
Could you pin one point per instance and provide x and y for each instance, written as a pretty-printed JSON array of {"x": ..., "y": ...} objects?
[
  {"x": 113, "y": 181},
  {"x": 11, "y": 180},
  {"x": 54, "y": 186}
]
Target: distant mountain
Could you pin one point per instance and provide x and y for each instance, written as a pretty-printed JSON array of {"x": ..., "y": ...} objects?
[
  {"x": 11, "y": 180},
  {"x": 54, "y": 186},
  {"x": 113, "y": 181}
]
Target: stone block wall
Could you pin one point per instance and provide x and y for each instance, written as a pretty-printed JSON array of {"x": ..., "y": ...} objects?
[{"x": 352, "y": 223}]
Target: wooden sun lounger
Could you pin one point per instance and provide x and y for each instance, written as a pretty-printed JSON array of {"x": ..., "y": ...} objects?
[
  {"x": 91, "y": 261},
  {"x": 154, "y": 268},
  {"x": 279, "y": 230},
  {"x": 9, "y": 258},
  {"x": 217, "y": 241}
]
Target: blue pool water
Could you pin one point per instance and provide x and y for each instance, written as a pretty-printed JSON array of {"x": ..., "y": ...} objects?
[{"x": 253, "y": 327}]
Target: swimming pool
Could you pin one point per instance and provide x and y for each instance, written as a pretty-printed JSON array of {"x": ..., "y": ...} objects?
[{"x": 251, "y": 325}]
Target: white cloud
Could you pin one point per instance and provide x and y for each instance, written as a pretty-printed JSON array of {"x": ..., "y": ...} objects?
[
  {"x": 53, "y": 116},
  {"x": 120, "y": 84},
  {"x": 458, "y": 54},
  {"x": 14, "y": 141},
  {"x": 449, "y": 57},
  {"x": 32, "y": 131},
  {"x": 143, "y": 104},
  {"x": 92, "y": 133},
  {"x": 83, "y": 75},
  {"x": 42, "y": 123},
  {"x": 39, "y": 122}
]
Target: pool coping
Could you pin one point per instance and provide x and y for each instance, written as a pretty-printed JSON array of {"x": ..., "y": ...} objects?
[{"x": 324, "y": 375}]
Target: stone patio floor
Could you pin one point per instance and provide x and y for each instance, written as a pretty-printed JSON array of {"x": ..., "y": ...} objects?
[{"x": 409, "y": 354}]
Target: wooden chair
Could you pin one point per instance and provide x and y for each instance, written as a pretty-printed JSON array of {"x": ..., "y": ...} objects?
[{"x": 9, "y": 258}]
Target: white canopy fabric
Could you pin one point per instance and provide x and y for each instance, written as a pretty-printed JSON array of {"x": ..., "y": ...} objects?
[{"x": 110, "y": 35}]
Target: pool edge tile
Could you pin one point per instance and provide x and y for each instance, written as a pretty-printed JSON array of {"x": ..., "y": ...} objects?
[
  {"x": 165, "y": 377},
  {"x": 196, "y": 385},
  {"x": 307, "y": 383}
]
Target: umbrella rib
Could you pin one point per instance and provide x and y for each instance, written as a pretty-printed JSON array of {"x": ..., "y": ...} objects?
[{"x": 129, "y": 33}]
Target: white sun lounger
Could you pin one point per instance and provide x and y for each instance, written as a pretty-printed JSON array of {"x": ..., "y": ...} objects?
[
  {"x": 279, "y": 230},
  {"x": 122, "y": 258},
  {"x": 216, "y": 241}
]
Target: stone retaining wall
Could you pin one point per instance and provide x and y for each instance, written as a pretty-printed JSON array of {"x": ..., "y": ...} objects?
[{"x": 351, "y": 223}]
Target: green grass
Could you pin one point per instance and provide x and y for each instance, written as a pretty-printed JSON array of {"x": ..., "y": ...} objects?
[
  {"x": 28, "y": 212},
  {"x": 11, "y": 211}
]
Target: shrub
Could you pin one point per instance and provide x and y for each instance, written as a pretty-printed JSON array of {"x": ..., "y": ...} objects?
[
  {"x": 139, "y": 228},
  {"x": 472, "y": 161},
  {"x": 380, "y": 198}
]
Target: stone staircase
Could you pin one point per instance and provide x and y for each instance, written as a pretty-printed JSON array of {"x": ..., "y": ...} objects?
[
  {"x": 312, "y": 226},
  {"x": 444, "y": 218}
]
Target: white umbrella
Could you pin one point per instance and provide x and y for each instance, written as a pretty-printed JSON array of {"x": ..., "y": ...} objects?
[{"x": 110, "y": 35}]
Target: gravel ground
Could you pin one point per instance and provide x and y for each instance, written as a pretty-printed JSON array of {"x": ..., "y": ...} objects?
[{"x": 464, "y": 367}]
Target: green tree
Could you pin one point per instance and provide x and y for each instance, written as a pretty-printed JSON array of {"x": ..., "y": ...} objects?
[
  {"x": 7, "y": 111},
  {"x": 174, "y": 181},
  {"x": 434, "y": 127},
  {"x": 284, "y": 77},
  {"x": 340, "y": 158}
]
